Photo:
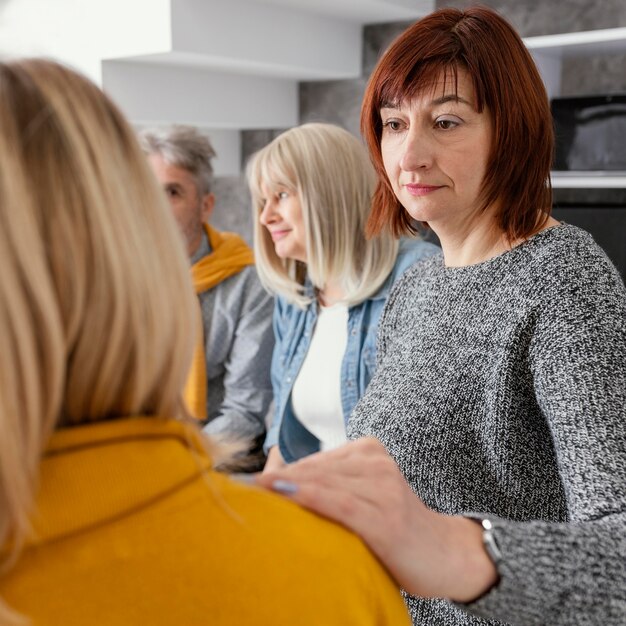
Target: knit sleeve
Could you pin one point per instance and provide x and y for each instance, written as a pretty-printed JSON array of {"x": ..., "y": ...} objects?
[{"x": 574, "y": 572}]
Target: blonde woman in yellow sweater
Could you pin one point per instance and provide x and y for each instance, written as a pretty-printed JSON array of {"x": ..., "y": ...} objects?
[{"x": 110, "y": 511}]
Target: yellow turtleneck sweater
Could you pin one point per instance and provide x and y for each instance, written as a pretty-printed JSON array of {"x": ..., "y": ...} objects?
[{"x": 134, "y": 528}]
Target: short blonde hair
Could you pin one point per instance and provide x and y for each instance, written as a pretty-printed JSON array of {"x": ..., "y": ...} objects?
[
  {"x": 96, "y": 303},
  {"x": 328, "y": 168}
]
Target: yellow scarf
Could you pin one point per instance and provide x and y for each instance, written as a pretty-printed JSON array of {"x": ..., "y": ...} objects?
[{"x": 229, "y": 255}]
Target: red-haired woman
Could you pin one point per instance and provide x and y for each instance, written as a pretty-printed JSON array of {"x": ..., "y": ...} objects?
[{"x": 498, "y": 478}]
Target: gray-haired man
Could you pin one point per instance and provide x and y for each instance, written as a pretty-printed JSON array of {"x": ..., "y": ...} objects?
[{"x": 236, "y": 311}]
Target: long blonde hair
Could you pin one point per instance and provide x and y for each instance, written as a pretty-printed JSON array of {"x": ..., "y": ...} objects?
[
  {"x": 329, "y": 170},
  {"x": 96, "y": 304}
]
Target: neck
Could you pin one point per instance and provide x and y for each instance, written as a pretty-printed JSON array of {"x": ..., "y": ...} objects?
[
  {"x": 468, "y": 247},
  {"x": 331, "y": 293},
  {"x": 475, "y": 240},
  {"x": 199, "y": 247}
]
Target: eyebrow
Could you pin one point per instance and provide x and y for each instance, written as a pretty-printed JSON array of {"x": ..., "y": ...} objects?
[
  {"x": 437, "y": 101},
  {"x": 278, "y": 186}
]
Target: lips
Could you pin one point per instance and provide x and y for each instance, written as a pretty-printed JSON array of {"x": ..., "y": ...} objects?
[
  {"x": 420, "y": 189},
  {"x": 279, "y": 233}
]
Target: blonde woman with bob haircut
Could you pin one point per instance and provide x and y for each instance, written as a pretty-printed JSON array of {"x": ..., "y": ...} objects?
[
  {"x": 312, "y": 189},
  {"x": 110, "y": 511}
]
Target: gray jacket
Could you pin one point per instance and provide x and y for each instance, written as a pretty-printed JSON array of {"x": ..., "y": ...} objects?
[{"x": 237, "y": 319}]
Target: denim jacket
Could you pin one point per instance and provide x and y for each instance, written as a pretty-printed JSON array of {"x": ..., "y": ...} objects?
[{"x": 293, "y": 329}]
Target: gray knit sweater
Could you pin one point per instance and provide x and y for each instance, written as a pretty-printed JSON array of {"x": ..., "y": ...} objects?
[{"x": 501, "y": 389}]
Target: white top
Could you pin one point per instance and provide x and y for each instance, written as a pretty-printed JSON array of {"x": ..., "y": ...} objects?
[{"x": 316, "y": 394}]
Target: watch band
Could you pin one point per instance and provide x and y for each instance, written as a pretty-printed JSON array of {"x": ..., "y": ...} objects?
[{"x": 489, "y": 541}]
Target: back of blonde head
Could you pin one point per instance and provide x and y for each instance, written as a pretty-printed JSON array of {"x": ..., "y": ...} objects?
[
  {"x": 95, "y": 296},
  {"x": 331, "y": 173}
]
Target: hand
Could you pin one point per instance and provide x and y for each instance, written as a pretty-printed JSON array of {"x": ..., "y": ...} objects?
[
  {"x": 360, "y": 486},
  {"x": 274, "y": 460}
]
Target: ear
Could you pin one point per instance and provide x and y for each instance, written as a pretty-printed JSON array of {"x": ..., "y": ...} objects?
[{"x": 208, "y": 202}]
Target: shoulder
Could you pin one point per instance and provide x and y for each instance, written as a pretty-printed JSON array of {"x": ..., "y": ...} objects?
[
  {"x": 240, "y": 295},
  {"x": 566, "y": 260},
  {"x": 411, "y": 270},
  {"x": 247, "y": 276},
  {"x": 287, "y": 313},
  {"x": 244, "y": 285},
  {"x": 560, "y": 245},
  {"x": 411, "y": 251},
  {"x": 336, "y": 560}
]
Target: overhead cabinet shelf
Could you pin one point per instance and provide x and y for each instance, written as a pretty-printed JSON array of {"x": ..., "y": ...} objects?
[
  {"x": 603, "y": 41},
  {"x": 588, "y": 180}
]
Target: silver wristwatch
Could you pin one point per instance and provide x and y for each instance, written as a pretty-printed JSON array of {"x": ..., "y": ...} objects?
[{"x": 489, "y": 540}]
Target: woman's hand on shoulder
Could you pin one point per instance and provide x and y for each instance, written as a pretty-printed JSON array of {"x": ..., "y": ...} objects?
[{"x": 360, "y": 486}]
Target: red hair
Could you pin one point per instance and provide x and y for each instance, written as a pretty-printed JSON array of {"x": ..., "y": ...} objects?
[{"x": 506, "y": 82}]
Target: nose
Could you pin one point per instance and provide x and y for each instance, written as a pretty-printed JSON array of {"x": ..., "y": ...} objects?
[
  {"x": 417, "y": 151},
  {"x": 268, "y": 213}
]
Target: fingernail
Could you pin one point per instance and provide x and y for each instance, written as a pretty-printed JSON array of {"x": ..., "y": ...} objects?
[{"x": 284, "y": 486}]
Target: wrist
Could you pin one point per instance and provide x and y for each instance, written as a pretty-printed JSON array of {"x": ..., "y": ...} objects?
[
  {"x": 452, "y": 564},
  {"x": 477, "y": 565}
]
